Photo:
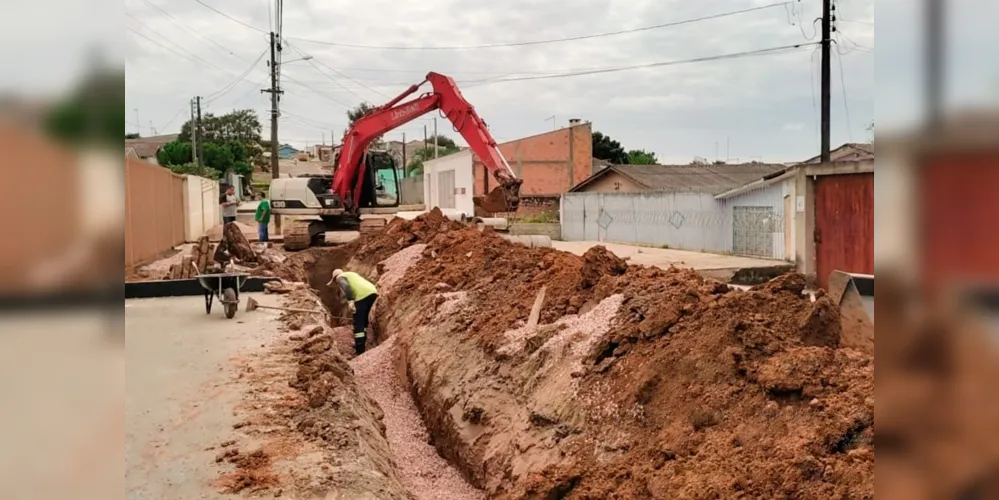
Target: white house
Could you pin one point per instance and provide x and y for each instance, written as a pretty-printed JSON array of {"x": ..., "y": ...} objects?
[{"x": 448, "y": 184}]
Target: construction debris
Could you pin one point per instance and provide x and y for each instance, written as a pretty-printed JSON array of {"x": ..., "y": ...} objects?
[{"x": 234, "y": 246}]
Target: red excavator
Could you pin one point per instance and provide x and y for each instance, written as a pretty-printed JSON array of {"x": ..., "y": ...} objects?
[{"x": 366, "y": 182}]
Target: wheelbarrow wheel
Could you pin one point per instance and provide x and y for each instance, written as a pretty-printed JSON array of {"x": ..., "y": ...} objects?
[{"x": 230, "y": 302}]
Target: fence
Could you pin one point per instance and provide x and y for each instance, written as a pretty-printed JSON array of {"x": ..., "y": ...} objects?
[
  {"x": 154, "y": 211},
  {"x": 411, "y": 191},
  {"x": 201, "y": 206},
  {"x": 751, "y": 224}
]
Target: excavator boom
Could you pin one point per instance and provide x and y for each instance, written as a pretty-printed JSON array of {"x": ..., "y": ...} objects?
[{"x": 349, "y": 176}]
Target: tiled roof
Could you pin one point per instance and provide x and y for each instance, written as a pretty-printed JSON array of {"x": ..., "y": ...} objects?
[{"x": 711, "y": 179}]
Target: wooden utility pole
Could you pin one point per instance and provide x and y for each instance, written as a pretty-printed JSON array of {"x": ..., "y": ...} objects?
[
  {"x": 201, "y": 143},
  {"x": 827, "y": 19},
  {"x": 424, "y": 137},
  {"x": 435, "y": 137},
  {"x": 405, "y": 166},
  {"x": 274, "y": 92}
]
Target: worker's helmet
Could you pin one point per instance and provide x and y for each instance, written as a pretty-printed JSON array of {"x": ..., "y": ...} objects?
[{"x": 336, "y": 274}]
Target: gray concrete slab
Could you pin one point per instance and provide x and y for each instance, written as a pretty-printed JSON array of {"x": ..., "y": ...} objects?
[
  {"x": 718, "y": 266},
  {"x": 181, "y": 395}
]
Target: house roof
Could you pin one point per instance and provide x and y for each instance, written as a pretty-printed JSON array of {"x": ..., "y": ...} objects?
[
  {"x": 851, "y": 151},
  {"x": 711, "y": 179},
  {"x": 147, "y": 147}
]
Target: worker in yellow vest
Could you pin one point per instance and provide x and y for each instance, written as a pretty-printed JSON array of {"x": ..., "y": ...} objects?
[{"x": 361, "y": 295}]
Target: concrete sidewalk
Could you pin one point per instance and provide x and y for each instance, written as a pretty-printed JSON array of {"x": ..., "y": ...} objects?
[{"x": 721, "y": 267}]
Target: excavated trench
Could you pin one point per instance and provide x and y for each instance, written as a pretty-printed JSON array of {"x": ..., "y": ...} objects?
[{"x": 501, "y": 371}]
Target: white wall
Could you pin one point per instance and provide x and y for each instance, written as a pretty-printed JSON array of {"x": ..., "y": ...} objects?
[
  {"x": 201, "y": 206},
  {"x": 433, "y": 181}
]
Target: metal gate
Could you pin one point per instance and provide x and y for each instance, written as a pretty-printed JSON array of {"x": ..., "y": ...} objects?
[
  {"x": 445, "y": 191},
  {"x": 753, "y": 231}
]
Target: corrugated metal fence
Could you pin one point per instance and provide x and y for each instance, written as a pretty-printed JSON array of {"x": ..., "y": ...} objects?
[
  {"x": 154, "y": 211},
  {"x": 751, "y": 224}
]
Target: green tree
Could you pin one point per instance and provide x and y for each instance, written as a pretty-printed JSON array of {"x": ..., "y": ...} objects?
[
  {"x": 190, "y": 168},
  {"x": 608, "y": 149},
  {"x": 357, "y": 112},
  {"x": 175, "y": 153},
  {"x": 443, "y": 141},
  {"x": 219, "y": 157},
  {"x": 642, "y": 157},
  {"x": 421, "y": 155},
  {"x": 240, "y": 125},
  {"x": 132, "y": 135},
  {"x": 94, "y": 112}
]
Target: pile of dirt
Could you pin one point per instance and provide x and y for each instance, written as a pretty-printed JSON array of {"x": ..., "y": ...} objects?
[
  {"x": 253, "y": 471},
  {"x": 691, "y": 390}
]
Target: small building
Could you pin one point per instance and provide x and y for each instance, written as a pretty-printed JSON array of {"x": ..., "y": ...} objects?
[
  {"x": 448, "y": 183},
  {"x": 287, "y": 152},
  {"x": 710, "y": 179},
  {"x": 146, "y": 148}
]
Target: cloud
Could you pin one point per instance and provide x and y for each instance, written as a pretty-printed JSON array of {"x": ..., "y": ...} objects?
[{"x": 679, "y": 111}]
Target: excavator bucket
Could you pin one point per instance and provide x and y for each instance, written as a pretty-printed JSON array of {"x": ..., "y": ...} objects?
[
  {"x": 857, "y": 324},
  {"x": 494, "y": 202}
]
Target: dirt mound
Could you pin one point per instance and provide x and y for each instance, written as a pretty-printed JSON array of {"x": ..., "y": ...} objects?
[{"x": 694, "y": 390}]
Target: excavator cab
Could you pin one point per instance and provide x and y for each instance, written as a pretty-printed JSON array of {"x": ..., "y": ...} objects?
[{"x": 381, "y": 182}]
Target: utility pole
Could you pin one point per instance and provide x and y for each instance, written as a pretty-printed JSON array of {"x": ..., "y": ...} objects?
[
  {"x": 405, "y": 166},
  {"x": 275, "y": 92},
  {"x": 827, "y": 19},
  {"x": 138, "y": 124},
  {"x": 934, "y": 61},
  {"x": 201, "y": 142},
  {"x": 435, "y": 137},
  {"x": 194, "y": 135},
  {"x": 424, "y": 137},
  {"x": 152, "y": 128}
]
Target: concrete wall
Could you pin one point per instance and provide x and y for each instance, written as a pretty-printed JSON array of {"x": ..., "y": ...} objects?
[
  {"x": 553, "y": 231},
  {"x": 549, "y": 163},
  {"x": 201, "y": 206},
  {"x": 154, "y": 211},
  {"x": 411, "y": 191},
  {"x": 751, "y": 224},
  {"x": 613, "y": 182},
  {"x": 448, "y": 183}
]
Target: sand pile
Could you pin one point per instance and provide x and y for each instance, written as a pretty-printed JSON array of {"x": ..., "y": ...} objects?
[{"x": 692, "y": 390}]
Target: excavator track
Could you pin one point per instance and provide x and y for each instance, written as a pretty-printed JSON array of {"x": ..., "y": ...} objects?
[{"x": 296, "y": 235}]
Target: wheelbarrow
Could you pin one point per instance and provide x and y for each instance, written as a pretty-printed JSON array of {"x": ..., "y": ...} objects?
[{"x": 226, "y": 287}]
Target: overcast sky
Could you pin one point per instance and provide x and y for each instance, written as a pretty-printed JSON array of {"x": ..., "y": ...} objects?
[{"x": 761, "y": 107}]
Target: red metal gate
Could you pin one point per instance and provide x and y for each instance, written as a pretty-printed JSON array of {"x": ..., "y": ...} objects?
[{"x": 844, "y": 225}]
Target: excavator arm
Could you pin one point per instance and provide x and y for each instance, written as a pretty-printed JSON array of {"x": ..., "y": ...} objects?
[{"x": 445, "y": 96}]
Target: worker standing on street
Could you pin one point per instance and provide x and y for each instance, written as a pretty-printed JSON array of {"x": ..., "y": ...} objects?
[
  {"x": 361, "y": 295},
  {"x": 230, "y": 204},
  {"x": 263, "y": 218}
]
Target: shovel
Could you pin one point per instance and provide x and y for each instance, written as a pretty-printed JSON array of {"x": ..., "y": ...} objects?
[{"x": 252, "y": 305}]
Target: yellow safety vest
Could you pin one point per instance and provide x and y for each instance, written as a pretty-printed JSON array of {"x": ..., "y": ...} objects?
[{"x": 360, "y": 286}]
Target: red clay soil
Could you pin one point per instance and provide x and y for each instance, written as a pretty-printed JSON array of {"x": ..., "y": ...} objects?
[{"x": 698, "y": 391}]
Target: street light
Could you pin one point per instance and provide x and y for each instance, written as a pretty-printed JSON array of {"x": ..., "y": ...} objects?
[{"x": 306, "y": 58}]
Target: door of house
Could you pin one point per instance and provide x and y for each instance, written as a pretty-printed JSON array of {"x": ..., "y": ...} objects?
[{"x": 844, "y": 225}]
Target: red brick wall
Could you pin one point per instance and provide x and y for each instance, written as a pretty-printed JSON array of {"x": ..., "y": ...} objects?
[{"x": 549, "y": 163}]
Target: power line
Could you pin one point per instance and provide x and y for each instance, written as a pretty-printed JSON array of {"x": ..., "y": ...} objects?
[
  {"x": 321, "y": 94},
  {"x": 313, "y": 60},
  {"x": 540, "y": 42},
  {"x": 737, "y": 55},
  {"x": 188, "y": 28},
  {"x": 195, "y": 56},
  {"x": 221, "y": 92},
  {"x": 227, "y": 16},
  {"x": 171, "y": 49},
  {"x": 855, "y": 21},
  {"x": 846, "y": 105}
]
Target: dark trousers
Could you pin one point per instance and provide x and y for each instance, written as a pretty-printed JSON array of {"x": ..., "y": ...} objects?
[
  {"x": 362, "y": 310},
  {"x": 226, "y": 220}
]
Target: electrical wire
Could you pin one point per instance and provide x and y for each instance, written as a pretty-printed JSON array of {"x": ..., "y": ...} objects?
[
  {"x": 846, "y": 105},
  {"x": 227, "y": 16},
  {"x": 179, "y": 54},
  {"x": 311, "y": 61},
  {"x": 548, "y": 41},
  {"x": 224, "y": 90},
  {"x": 855, "y": 21},
  {"x": 189, "y": 29},
  {"x": 795, "y": 17},
  {"x": 317, "y": 92},
  {"x": 193, "y": 55},
  {"x": 737, "y": 55}
]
